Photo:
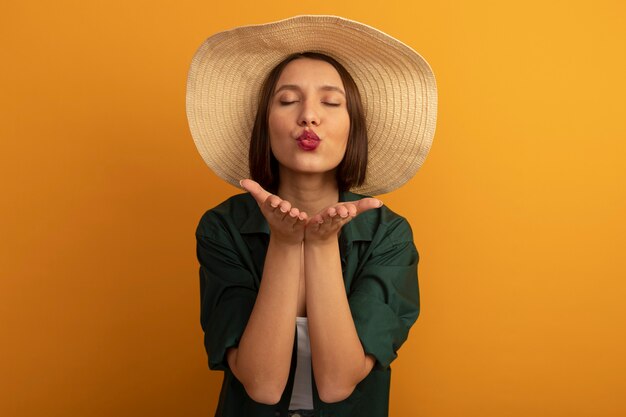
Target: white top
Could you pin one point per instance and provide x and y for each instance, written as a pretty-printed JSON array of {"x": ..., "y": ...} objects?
[{"x": 302, "y": 395}]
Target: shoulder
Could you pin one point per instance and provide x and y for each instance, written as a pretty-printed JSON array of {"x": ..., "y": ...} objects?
[
  {"x": 382, "y": 222},
  {"x": 232, "y": 213}
]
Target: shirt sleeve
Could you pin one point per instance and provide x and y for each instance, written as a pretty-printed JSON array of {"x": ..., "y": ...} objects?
[
  {"x": 227, "y": 291},
  {"x": 384, "y": 298}
]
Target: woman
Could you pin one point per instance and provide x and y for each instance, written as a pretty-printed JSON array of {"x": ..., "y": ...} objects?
[{"x": 308, "y": 290}]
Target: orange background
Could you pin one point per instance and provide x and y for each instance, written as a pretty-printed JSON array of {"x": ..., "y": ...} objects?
[{"x": 518, "y": 212}]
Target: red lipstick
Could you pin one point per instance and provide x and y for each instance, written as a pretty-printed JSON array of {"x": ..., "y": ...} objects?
[{"x": 308, "y": 141}]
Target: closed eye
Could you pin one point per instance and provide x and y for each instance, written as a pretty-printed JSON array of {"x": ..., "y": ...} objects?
[
  {"x": 333, "y": 104},
  {"x": 286, "y": 103}
]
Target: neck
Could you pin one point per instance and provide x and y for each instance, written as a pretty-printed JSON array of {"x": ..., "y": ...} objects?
[{"x": 309, "y": 193}]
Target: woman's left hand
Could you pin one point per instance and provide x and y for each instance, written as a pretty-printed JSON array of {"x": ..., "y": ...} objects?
[{"x": 326, "y": 225}]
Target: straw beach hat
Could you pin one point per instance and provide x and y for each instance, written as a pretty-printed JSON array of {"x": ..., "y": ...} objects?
[{"x": 397, "y": 88}]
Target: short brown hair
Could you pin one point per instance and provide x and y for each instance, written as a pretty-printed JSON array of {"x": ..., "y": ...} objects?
[{"x": 352, "y": 168}]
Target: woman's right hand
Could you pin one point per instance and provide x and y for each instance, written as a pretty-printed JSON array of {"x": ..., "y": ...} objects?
[{"x": 286, "y": 223}]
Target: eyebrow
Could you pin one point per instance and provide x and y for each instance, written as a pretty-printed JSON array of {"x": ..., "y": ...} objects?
[{"x": 295, "y": 87}]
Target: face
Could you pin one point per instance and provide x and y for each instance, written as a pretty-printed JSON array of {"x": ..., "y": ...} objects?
[{"x": 309, "y": 102}]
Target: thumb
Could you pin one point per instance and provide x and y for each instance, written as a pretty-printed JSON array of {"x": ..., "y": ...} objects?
[
  {"x": 368, "y": 203},
  {"x": 254, "y": 188}
]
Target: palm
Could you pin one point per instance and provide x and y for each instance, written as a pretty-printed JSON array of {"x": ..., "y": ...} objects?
[
  {"x": 286, "y": 223},
  {"x": 291, "y": 224},
  {"x": 327, "y": 223}
]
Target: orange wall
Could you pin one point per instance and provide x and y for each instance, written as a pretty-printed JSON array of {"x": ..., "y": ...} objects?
[{"x": 518, "y": 212}]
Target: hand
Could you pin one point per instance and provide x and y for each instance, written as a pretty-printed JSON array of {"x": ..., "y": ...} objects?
[
  {"x": 286, "y": 223},
  {"x": 326, "y": 225}
]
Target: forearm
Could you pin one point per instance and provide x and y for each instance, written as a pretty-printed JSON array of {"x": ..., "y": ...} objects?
[
  {"x": 263, "y": 358},
  {"x": 338, "y": 359}
]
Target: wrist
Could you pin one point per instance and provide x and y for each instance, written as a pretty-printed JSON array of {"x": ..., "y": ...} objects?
[
  {"x": 329, "y": 242},
  {"x": 285, "y": 242}
]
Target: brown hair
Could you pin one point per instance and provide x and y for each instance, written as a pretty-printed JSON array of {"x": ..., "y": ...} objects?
[{"x": 350, "y": 171}]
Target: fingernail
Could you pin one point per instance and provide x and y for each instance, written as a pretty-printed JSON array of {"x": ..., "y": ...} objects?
[
  {"x": 241, "y": 182},
  {"x": 380, "y": 203}
]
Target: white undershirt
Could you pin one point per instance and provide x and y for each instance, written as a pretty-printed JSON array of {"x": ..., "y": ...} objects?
[{"x": 302, "y": 395}]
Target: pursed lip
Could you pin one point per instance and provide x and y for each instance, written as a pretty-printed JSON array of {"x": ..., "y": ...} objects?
[
  {"x": 308, "y": 140},
  {"x": 308, "y": 135}
]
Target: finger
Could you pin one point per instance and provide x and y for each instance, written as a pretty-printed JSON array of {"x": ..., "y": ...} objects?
[
  {"x": 301, "y": 221},
  {"x": 334, "y": 220},
  {"x": 334, "y": 223},
  {"x": 284, "y": 206},
  {"x": 273, "y": 201},
  {"x": 341, "y": 223},
  {"x": 292, "y": 217},
  {"x": 342, "y": 211},
  {"x": 345, "y": 212},
  {"x": 352, "y": 211},
  {"x": 319, "y": 225},
  {"x": 254, "y": 188},
  {"x": 330, "y": 217},
  {"x": 316, "y": 221},
  {"x": 366, "y": 204},
  {"x": 281, "y": 210}
]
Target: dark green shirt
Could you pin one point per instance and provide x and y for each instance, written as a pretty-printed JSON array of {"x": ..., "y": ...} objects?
[{"x": 379, "y": 266}]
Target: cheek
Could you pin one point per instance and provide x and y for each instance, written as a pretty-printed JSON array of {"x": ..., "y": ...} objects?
[
  {"x": 278, "y": 146},
  {"x": 273, "y": 131},
  {"x": 276, "y": 124},
  {"x": 271, "y": 123},
  {"x": 346, "y": 131}
]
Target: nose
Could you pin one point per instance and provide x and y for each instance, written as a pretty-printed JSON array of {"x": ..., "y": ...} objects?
[{"x": 309, "y": 115}]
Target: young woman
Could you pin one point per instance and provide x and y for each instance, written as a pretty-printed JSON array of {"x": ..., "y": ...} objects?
[{"x": 307, "y": 289}]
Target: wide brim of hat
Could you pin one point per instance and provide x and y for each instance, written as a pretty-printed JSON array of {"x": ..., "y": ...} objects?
[{"x": 397, "y": 88}]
